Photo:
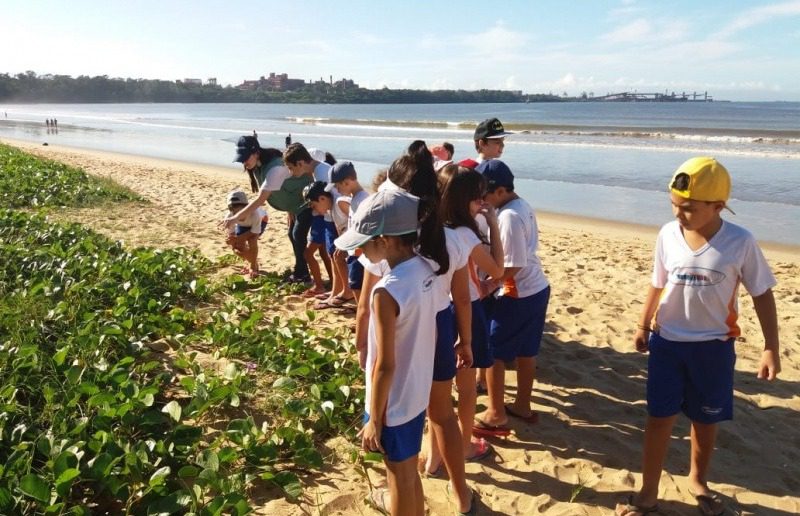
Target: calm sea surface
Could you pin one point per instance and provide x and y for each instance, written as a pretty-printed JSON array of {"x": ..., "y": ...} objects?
[{"x": 604, "y": 160}]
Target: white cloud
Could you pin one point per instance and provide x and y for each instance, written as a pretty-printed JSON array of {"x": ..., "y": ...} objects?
[
  {"x": 497, "y": 41},
  {"x": 633, "y": 32},
  {"x": 758, "y": 16}
]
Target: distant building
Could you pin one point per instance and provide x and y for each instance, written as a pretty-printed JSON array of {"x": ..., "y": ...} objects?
[
  {"x": 212, "y": 81},
  {"x": 282, "y": 82},
  {"x": 194, "y": 82}
]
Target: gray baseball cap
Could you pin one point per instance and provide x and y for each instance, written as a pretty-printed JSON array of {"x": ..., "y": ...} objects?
[{"x": 389, "y": 213}]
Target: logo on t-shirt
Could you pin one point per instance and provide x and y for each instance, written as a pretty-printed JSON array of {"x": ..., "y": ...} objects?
[
  {"x": 427, "y": 283},
  {"x": 696, "y": 276}
]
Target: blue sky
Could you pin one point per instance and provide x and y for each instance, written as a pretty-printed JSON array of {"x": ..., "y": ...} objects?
[{"x": 735, "y": 49}]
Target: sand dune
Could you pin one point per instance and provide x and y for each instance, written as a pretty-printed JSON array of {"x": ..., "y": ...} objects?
[{"x": 584, "y": 454}]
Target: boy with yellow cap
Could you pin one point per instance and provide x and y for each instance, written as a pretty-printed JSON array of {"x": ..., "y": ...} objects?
[{"x": 688, "y": 325}]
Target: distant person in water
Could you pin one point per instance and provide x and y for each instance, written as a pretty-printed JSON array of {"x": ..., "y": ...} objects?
[{"x": 288, "y": 140}]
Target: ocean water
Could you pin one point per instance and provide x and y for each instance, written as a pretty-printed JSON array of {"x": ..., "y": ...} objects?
[{"x": 603, "y": 160}]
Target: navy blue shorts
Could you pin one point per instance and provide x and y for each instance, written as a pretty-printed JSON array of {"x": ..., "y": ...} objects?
[
  {"x": 241, "y": 230},
  {"x": 481, "y": 354},
  {"x": 317, "y": 233},
  {"x": 402, "y": 442},
  {"x": 330, "y": 235},
  {"x": 355, "y": 273},
  {"x": 517, "y": 325},
  {"x": 695, "y": 378},
  {"x": 444, "y": 359}
]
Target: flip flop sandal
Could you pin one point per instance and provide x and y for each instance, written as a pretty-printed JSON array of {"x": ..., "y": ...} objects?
[
  {"x": 628, "y": 508},
  {"x": 482, "y": 450},
  {"x": 312, "y": 292},
  {"x": 531, "y": 420},
  {"x": 377, "y": 499},
  {"x": 343, "y": 299},
  {"x": 481, "y": 428},
  {"x": 323, "y": 296},
  {"x": 710, "y": 504},
  {"x": 323, "y": 305}
]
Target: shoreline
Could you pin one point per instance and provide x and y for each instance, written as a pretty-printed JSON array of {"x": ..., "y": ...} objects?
[{"x": 605, "y": 227}]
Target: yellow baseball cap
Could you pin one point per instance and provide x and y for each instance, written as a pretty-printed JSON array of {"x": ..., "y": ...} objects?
[{"x": 701, "y": 179}]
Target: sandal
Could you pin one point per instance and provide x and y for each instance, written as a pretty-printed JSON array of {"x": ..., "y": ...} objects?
[
  {"x": 481, "y": 451},
  {"x": 531, "y": 420},
  {"x": 323, "y": 305},
  {"x": 377, "y": 499},
  {"x": 481, "y": 428},
  {"x": 632, "y": 509},
  {"x": 313, "y": 292},
  {"x": 710, "y": 504}
]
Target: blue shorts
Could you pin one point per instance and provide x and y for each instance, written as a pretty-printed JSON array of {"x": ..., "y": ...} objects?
[
  {"x": 517, "y": 325},
  {"x": 444, "y": 359},
  {"x": 695, "y": 378},
  {"x": 402, "y": 442},
  {"x": 317, "y": 233},
  {"x": 481, "y": 354},
  {"x": 330, "y": 235},
  {"x": 355, "y": 273},
  {"x": 241, "y": 230}
]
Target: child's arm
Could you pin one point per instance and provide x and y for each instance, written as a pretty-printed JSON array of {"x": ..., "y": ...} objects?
[
  {"x": 362, "y": 316},
  {"x": 385, "y": 311},
  {"x": 245, "y": 212},
  {"x": 459, "y": 288},
  {"x": 643, "y": 328},
  {"x": 768, "y": 317}
]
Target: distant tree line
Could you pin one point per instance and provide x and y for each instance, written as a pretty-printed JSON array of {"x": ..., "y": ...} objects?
[{"x": 31, "y": 88}]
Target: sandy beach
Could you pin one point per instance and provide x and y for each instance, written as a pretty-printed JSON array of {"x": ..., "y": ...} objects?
[{"x": 584, "y": 454}]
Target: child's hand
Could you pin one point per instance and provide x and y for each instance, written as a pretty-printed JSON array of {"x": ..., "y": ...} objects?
[
  {"x": 362, "y": 358},
  {"x": 488, "y": 211},
  {"x": 463, "y": 356},
  {"x": 770, "y": 365},
  {"x": 371, "y": 437},
  {"x": 641, "y": 341}
]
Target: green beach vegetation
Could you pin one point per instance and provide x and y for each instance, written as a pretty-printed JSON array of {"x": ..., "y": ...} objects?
[{"x": 134, "y": 382}]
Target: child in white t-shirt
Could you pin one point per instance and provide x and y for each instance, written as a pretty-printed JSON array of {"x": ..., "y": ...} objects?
[
  {"x": 689, "y": 324},
  {"x": 517, "y": 323},
  {"x": 243, "y": 232},
  {"x": 399, "y": 365}
]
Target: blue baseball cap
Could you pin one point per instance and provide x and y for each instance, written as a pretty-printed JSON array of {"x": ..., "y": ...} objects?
[
  {"x": 245, "y": 147},
  {"x": 496, "y": 173},
  {"x": 340, "y": 172}
]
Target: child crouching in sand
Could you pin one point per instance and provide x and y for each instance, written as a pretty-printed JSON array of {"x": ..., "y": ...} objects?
[
  {"x": 688, "y": 324},
  {"x": 399, "y": 368},
  {"x": 243, "y": 233}
]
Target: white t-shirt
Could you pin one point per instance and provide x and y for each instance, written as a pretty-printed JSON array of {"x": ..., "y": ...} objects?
[
  {"x": 275, "y": 178},
  {"x": 700, "y": 297},
  {"x": 355, "y": 201},
  {"x": 412, "y": 285},
  {"x": 322, "y": 172},
  {"x": 470, "y": 241},
  {"x": 379, "y": 269},
  {"x": 339, "y": 217},
  {"x": 459, "y": 257},
  {"x": 520, "y": 237},
  {"x": 253, "y": 221}
]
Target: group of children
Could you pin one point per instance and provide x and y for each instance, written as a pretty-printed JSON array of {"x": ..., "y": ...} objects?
[{"x": 442, "y": 262}]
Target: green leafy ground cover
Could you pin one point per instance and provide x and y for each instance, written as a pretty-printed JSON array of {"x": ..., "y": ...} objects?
[
  {"x": 28, "y": 181},
  {"x": 93, "y": 421}
]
